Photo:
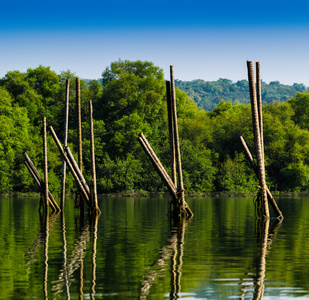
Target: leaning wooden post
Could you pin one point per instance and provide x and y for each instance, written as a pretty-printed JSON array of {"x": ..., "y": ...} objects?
[
  {"x": 76, "y": 169},
  {"x": 171, "y": 131},
  {"x": 257, "y": 138},
  {"x": 51, "y": 203},
  {"x": 45, "y": 165},
  {"x": 65, "y": 141},
  {"x": 35, "y": 174},
  {"x": 163, "y": 174},
  {"x": 81, "y": 188},
  {"x": 94, "y": 203},
  {"x": 176, "y": 136},
  {"x": 270, "y": 197}
]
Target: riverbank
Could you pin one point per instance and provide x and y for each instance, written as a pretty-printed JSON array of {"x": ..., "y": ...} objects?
[{"x": 145, "y": 194}]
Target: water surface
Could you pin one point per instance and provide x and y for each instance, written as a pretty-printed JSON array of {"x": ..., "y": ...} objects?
[{"x": 134, "y": 251}]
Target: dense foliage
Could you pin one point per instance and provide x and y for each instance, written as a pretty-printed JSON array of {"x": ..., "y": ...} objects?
[
  {"x": 130, "y": 99},
  {"x": 208, "y": 94}
]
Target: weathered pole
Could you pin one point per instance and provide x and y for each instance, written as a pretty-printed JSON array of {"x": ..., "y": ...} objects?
[
  {"x": 38, "y": 179},
  {"x": 45, "y": 165},
  {"x": 157, "y": 164},
  {"x": 171, "y": 131},
  {"x": 79, "y": 137},
  {"x": 163, "y": 174},
  {"x": 84, "y": 194},
  {"x": 259, "y": 103},
  {"x": 270, "y": 197},
  {"x": 79, "y": 126},
  {"x": 94, "y": 197},
  {"x": 42, "y": 187},
  {"x": 257, "y": 138},
  {"x": 77, "y": 170},
  {"x": 176, "y": 137},
  {"x": 65, "y": 141}
]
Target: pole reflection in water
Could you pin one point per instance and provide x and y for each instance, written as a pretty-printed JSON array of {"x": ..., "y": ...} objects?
[
  {"x": 265, "y": 237},
  {"x": 64, "y": 241},
  {"x": 177, "y": 260},
  {"x": 72, "y": 264},
  {"x": 81, "y": 257},
  {"x": 46, "y": 221},
  {"x": 94, "y": 221},
  {"x": 45, "y": 282},
  {"x": 173, "y": 251}
]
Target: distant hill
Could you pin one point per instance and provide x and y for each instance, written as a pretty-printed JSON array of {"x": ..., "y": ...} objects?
[{"x": 207, "y": 94}]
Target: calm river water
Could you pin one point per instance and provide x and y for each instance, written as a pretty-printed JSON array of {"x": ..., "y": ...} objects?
[{"x": 133, "y": 251}]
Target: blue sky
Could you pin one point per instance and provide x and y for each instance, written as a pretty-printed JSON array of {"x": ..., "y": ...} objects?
[{"x": 202, "y": 39}]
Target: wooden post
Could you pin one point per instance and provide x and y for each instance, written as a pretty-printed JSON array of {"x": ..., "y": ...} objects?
[
  {"x": 257, "y": 138},
  {"x": 35, "y": 174},
  {"x": 171, "y": 131},
  {"x": 65, "y": 141},
  {"x": 79, "y": 126},
  {"x": 270, "y": 197},
  {"x": 157, "y": 164},
  {"x": 176, "y": 137},
  {"x": 41, "y": 185},
  {"x": 94, "y": 203},
  {"x": 79, "y": 137},
  {"x": 81, "y": 188},
  {"x": 163, "y": 174},
  {"x": 259, "y": 104},
  {"x": 45, "y": 165},
  {"x": 77, "y": 170}
]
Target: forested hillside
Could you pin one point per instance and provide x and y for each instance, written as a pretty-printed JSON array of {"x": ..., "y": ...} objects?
[
  {"x": 207, "y": 94},
  {"x": 130, "y": 99}
]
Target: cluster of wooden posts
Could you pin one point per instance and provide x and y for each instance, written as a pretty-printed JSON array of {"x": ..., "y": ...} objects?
[
  {"x": 175, "y": 184},
  {"x": 87, "y": 194}
]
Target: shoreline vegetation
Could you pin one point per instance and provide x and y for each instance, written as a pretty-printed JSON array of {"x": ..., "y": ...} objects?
[
  {"x": 130, "y": 98},
  {"x": 145, "y": 194}
]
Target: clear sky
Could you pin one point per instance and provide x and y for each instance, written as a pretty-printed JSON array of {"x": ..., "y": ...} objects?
[{"x": 202, "y": 39}]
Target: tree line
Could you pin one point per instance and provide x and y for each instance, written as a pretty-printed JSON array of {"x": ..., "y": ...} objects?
[
  {"x": 208, "y": 94},
  {"x": 131, "y": 98}
]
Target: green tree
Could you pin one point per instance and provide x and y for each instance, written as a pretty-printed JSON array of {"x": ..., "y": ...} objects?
[
  {"x": 14, "y": 140},
  {"x": 132, "y": 102}
]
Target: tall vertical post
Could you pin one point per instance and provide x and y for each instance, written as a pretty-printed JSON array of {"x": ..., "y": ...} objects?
[
  {"x": 259, "y": 104},
  {"x": 79, "y": 125},
  {"x": 257, "y": 138},
  {"x": 171, "y": 131},
  {"x": 65, "y": 141},
  {"x": 176, "y": 137},
  {"x": 45, "y": 165},
  {"x": 94, "y": 202},
  {"x": 79, "y": 138}
]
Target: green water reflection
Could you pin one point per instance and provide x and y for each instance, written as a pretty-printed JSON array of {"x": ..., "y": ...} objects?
[{"x": 132, "y": 250}]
